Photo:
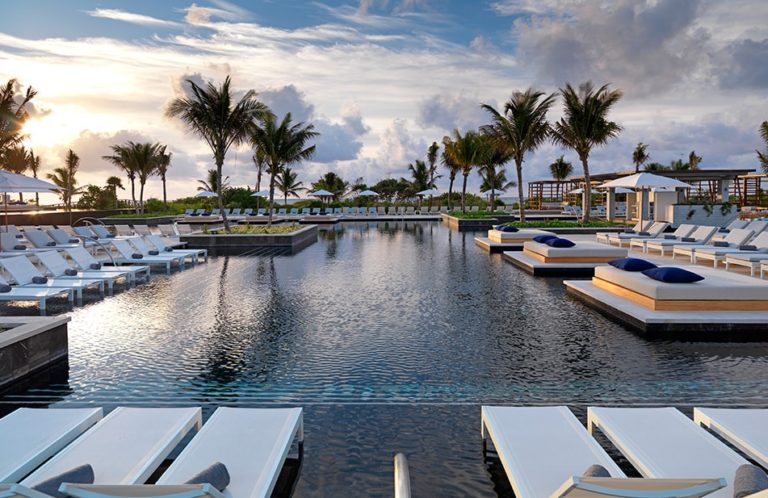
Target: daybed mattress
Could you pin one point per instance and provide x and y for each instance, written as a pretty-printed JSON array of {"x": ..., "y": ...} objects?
[
  {"x": 523, "y": 235},
  {"x": 716, "y": 286},
  {"x": 580, "y": 250}
]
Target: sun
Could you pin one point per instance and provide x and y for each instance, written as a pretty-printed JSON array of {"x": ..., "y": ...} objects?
[{"x": 46, "y": 132}]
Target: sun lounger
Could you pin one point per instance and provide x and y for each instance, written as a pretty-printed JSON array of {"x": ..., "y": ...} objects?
[
  {"x": 719, "y": 291},
  {"x": 522, "y": 235},
  {"x": 36, "y": 294},
  {"x": 13, "y": 230},
  {"x": 147, "y": 251},
  {"x": 33, "y": 435},
  {"x": 85, "y": 261},
  {"x": 337, "y": 211},
  {"x": 664, "y": 443},
  {"x": 678, "y": 234},
  {"x": 121, "y": 230},
  {"x": 168, "y": 231},
  {"x": 736, "y": 238},
  {"x": 251, "y": 443},
  {"x": 294, "y": 212},
  {"x": 189, "y": 212},
  {"x": 640, "y": 226},
  {"x": 11, "y": 246},
  {"x": 699, "y": 236},
  {"x": 164, "y": 248},
  {"x": 24, "y": 272},
  {"x": 247, "y": 211},
  {"x": 125, "y": 447},
  {"x": 184, "y": 228},
  {"x": 41, "y": 240},
  {"x": 654, "y": 231},
  {"x": 142, "y": 229},
  {"x": 582, "y": 252},
  {"x": 215, "y": 212},
  {"x": 541, "y": 447},
  {"x": 58, "y": 268},
  {"x": 282, "y": 211},
  {"x": 718, "y": 254},
  {"x": 743, "y": 428},
  {"x": 61, "y": 237},
  {"x": 127, "y": 255}
]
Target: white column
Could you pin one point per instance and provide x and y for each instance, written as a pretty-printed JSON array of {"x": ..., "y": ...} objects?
[{"x": 610, "y": 204}]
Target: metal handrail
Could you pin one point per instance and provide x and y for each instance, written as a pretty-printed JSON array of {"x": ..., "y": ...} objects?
[
  {"x": 402, "y": 477},
  {"x": 86, "y": 219},
  {"x": 87, "y": 222}
]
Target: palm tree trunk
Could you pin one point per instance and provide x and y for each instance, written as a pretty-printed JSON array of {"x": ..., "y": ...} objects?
[
  {"x": 219, "y": 196},
  {"x": 133, "y": 193},
  {"x": 493, "y": 198},
  {"x": 520, "y": 198},
  {"x": 141, "y": 197},
  {"x": 587, "y": 190},
  {"x": 271, "y": 197},
  {"x": 450, "y": 195},
  {"x": 165, "y": 198},
  {"x": 464, "y": 194}
]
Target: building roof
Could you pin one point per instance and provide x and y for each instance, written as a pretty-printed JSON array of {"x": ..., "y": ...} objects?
[{"x": 687, "y": 175}]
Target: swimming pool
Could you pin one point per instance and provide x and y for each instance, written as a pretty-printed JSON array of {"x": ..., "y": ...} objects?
[{"x": 390, "y": 335}]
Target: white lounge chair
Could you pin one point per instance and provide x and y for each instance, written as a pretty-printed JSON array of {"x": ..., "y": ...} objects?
[
  {"x": 24, "y": 273},
  {"x": 42, "y": 240},
  {"x": 127, "y": 255},
  {"x": 654, "y": 231},
  {"x": 718, "y": 254},
  {"x": 640, "y": 226},
  {"x": 699, "y": 236},
  {"x": 736, "y": 238},
  {"x": 36, "y": 294},
  {"x": 33, "y": 435},
  {"x": 678, "y": 234},
  {"x": 125, "y": 447},
  {"x": 161, "y": 245},
  {"x": 85, "y": 261},
  {"x": 541, "y": 447},
  {"x": 251, "y": 443},
  {"x": 664, "y": 443},
  {"x": 146, "y": 250},
  {"x": 58, "y": 267},
  {"x": 743, "y": 428}
]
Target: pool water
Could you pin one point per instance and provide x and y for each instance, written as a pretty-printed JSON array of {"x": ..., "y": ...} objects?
[{"x": 391, "y": 336}]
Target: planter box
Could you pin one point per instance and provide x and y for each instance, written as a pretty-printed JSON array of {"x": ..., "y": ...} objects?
[
  {"x": 694, "y": 214},
  {"x": 474, "y": 224},
  {"x": 233, "y": 244},
  {"x": 29, "y": 344},
  {"x": 153, "y": 222}
]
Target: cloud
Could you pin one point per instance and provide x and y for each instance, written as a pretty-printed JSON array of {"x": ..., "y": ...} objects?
[
  {"x": 202, "y": 16},
  {"x": 745, "y": 64},
  {"x": 398, "y": 6},
  {"x": 129, "y": 17},
  {"x": 288, "y": 99},
  {"x": 447, "y": 112}
]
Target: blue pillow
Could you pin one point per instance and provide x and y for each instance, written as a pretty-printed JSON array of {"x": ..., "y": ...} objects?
[
  {"x": 542, "y": 239},
  {"x": 720, "y": 243},
  {"x": 95, "y": 266},
  {"x": 631, "y": 264},
  {"x": 506, "y": 228},
  {"x": 5, "y": 288},
  {"x": 558, "y": 242},
  {"x": 672, "y": 275}
]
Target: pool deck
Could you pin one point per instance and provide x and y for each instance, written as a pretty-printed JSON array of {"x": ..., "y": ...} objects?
[
  {"x": 492, "y": 247},
  {"x": 540, "y": 269}
]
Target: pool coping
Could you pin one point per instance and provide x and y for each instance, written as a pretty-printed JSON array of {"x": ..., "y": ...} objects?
[{"x": 30, "y": 344}]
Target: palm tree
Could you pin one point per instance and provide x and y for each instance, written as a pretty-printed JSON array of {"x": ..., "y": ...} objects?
[
  {"x": 146, "y": 158},
  {"x": 452, "y": 166},
  {"x": 286, "y": 182},
  {"x": 763, "y": 156},
  {"x": 15, "y": 160},
  {"x": 64, "y": 178},
  {"x": 123, "y": 159},
  {"x": 13, "y": 115},
  {"x": 333, "y": 183},
  {"x": 283, "y": 144},
  {"x": 113, "y": 183},
  {"x": 560, "y": 169},
  {"x": 585, "y": 125},
  {"x": 260, "y": 161},
  {"x": 163, "y": 163},
  {"x": 640, "y": 156},
  {"x": 523, "y": 128},
  {"x": 211, "y": 114},
  {"x": 420, "y": 175},
  {"x": 495, "y": 155},
  {"x": 466, "y": 152},
  {"x": 694, "y": 160},
  {"x": 33, "y": 163},
  {"x": 211, "y": 182}
]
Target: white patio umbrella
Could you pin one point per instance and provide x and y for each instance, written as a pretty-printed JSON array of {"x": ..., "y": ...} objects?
[
  {"x": 259, "y": 195},
  {"x": 12, "y": 183},
  {"x": 431, "y": 191},
  {"x": 645, "y": 181},
  {"x": 368, "y": 193},
  {"x": 205, "y": 193},
  {"x": 576, "y": 191},
  {"x": 322, "y": 194}
]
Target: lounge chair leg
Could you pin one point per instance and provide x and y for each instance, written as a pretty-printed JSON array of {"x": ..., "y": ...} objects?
[{"x": 42, "y": 306}]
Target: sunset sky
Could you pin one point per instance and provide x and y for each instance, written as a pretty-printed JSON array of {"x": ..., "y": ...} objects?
[{"x": 383, "y": 79}]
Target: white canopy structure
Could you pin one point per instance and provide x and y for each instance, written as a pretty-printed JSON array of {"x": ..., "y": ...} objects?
[
  {"x": 645, "y": 181},
  {"x": 12, "y": 183},
  {"x": 368, "y": 193}
]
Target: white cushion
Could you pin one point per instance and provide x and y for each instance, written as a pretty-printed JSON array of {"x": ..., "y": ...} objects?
[
  {"x": 580, "y": 250},
  {"x": 521, "y": 235}
]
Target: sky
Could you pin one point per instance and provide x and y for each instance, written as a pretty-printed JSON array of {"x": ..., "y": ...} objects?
[{"x": 383, "y": 79}]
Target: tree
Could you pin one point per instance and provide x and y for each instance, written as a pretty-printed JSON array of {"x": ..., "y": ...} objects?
[
  {"x": 33, "y": 163},
  {"x": 420, "y": 175},
  {"x": 211, "y": 114},
  {"x": 283, "y": 144},
  {"x": 163, "y": 163},
  {"x": 585, "y": 125},
  {"x": 286, "y": 182},
  {"x": 211, "y": 182},
  {"x": 432, "y": 153},
  {"x": 260, "y": 161},
  {"x": 560, "y": 170},
  {"x": 333, "y": 183},
  {"x": 452, "y": 167},
  {"x": 114, "y": 183},
  {"x": 495, "y": 155},
  {"x": 466, "y": 152},
  {"x": 522, "y": 128},
  {"x": 123, "y": 159},
  {"x": 16, "y": 161},
  {"x": 390, "y": 189},
  {"x": 763, "y": 156},
  {"x": 640, "y": 156},
  {"x": 693, "y": 160},
  {"x": 95, "y": 197},
  {"x": 13, "y": 115},
  {"x": 147, "y": 157},
  {"x": 64, "y": 178}
]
